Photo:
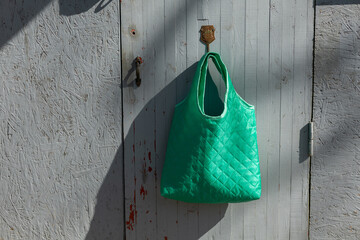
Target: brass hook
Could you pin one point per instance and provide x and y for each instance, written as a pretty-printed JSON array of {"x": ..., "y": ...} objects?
[{"x": 207, "y": 35}]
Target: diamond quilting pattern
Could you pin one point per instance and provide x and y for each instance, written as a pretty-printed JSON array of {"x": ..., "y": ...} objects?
[{"x": 212, "y": 159}]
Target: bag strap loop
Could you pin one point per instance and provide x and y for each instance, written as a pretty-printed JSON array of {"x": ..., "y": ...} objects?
[{"x": 202, "y": 76}]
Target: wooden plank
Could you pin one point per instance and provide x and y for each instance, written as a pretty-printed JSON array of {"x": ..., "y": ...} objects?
[
  {"x": 203, "y": 12},
  {"x": 165, "y": 100},
  {"x": 232, "y": 37},
  {"x": 167, "y": 212},
  {"x": 145, "y": 188},
  {"x": 286, "y": 119},
  {"x": 151, "y": 47},
  {"x": 301, "y": 115},
  {"x": 226, "y": 37},
  {"x": 188, "y": 213},
  {"x": 250, "y": 95},
  {"x": 262, "y": 112},
  {"x": 209, "y": 214},
  {"x": 133, "y": 103},
  {"x": 273, "y": 181}
]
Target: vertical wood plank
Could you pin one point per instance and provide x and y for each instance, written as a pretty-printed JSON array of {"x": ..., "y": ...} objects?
[
  {"x": 301, "y": 110},
  {"x": 134, "y": 101},
  {"x": 263, "y": 111},
  {"x": 227, "y": 42},
  {"x": 250, "y": 95},
  {"x": 188, "y": 213},
  {"x": 167, "y": 217},
  {"x": 232, "y": 40},
  {"x": 210, "y": 214},
  {"x": 203, "y": 9},
  {"x": 145, "y": 189},
  {"x": 273, "y": 181},
  {"x": 286, "y": 118}
]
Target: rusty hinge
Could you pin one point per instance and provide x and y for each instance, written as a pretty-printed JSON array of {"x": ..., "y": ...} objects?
[{"x": 311, "y": 139}]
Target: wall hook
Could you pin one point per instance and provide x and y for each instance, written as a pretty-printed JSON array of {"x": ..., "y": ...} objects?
[
  {"x": 138, "y": 61},
  {"x": 207, "y": 35}
]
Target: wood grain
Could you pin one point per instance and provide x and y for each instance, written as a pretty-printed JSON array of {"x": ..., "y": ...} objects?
[
  {"x": 266, "y": 46},
  {"x": 61, "y": 120}
]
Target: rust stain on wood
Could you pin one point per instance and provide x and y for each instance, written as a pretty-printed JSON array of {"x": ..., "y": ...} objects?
[
  {"x": 149, "y": 156},
  {"x": 131, "y": 222},
  {"x": 143, "y": 192}
]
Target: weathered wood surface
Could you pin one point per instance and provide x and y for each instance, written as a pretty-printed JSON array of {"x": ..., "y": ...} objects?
[
  {"x": 267, "y": 47},
  {"x": 60, "y": 117},
  {"x": 335, "y": 177},
  {"x": 60, "y": 111}
]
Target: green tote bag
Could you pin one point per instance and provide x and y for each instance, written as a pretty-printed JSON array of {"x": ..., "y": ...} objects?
[{"x": 212, "y": 153}]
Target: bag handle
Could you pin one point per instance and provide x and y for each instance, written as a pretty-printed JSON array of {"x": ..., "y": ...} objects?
[{"x": 202, "y": 77}]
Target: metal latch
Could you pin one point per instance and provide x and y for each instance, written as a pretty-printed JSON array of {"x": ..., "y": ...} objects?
[
  {"x": 311, "y": 139},
  {"x": 138, "y": 61}
]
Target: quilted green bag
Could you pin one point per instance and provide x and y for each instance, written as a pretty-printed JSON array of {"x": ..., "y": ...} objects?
[{"x": 212, "y": 154}]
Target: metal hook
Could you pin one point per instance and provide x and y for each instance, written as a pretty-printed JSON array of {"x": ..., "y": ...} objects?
[
  {"x": 138, "y": 61},
  {"x": 207, "y": 35}
]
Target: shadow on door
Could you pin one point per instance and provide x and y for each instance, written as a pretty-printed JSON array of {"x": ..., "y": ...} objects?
[
  {"x": 107, "y": 217},
  {"x": 14, "y": 15}
]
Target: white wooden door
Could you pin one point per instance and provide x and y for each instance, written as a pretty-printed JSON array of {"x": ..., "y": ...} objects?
[
  {"x": 68, "y": 128},
  {"x": 267, "y": 47}
]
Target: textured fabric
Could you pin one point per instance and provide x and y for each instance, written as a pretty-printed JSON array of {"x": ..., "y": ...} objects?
[{"x": 212, "y": 159}]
